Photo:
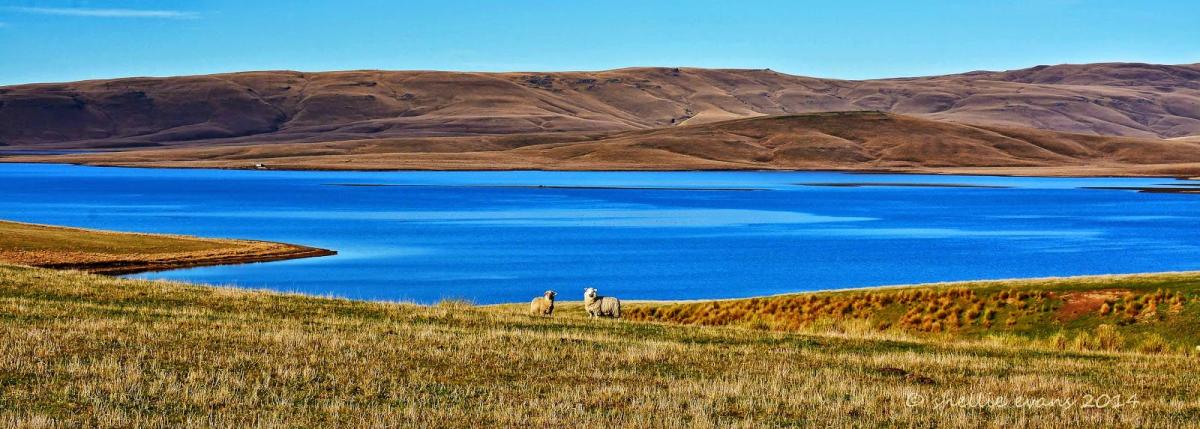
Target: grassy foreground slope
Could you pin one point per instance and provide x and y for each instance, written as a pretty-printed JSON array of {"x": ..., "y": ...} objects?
[
  {"x": 1149, "y": 313},
  {"x": 110, "y": 252},
  {"x": 95, "y": 351}
]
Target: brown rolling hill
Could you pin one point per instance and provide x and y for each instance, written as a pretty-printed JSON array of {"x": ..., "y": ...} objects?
[
  {"x": 835, "y": 140},
  {"x": 1120, "y": 99}
]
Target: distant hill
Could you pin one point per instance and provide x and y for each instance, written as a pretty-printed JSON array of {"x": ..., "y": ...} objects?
[
  {"x": 874, "y": 140},
  {"x": 1139, "y": 100},
  {"x": 832, "y": 140}
]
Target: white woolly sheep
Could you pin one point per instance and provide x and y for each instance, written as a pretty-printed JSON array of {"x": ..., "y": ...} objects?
[
  {"x": 543, "y": 305},
  {"x": 601, "y": 306}
]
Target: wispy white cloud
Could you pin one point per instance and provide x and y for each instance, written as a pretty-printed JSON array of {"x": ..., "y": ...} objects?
[{"x": 108, "y": 13}]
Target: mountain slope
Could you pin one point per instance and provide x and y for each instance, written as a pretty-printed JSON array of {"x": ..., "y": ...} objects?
[
  {"x": 283, "y": 106},
  {"x": 873, "y": 140},
  {"x": 836, "y": 140}
]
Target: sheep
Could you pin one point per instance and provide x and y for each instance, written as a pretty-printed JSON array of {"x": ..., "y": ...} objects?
[
  {"x": 601, "y": 306},
  {"x": 543, "y": 305}
]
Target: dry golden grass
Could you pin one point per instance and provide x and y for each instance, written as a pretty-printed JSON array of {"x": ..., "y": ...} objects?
[
  {"x": 1152, "y": 313},
  {"x": 93, "y": 351},
  {"x": 119, "y": 252}
]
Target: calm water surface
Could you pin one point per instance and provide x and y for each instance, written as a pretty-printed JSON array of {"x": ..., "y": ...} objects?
[{"x": 506, "y": 236}]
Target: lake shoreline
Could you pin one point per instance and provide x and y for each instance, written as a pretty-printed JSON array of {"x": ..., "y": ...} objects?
[
  {"x": 893, "y": 287},
  {"x": 287, "y": 252},
  {"x": 1082, "y": 172}
]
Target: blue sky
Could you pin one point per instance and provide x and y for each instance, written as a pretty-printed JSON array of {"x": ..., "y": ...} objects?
[{"x": 49, "y": 41}]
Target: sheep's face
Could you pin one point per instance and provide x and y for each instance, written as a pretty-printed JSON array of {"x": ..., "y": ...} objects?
[
  {"x": 589, "y": 292},
  {"x": 551, "y": 294}
]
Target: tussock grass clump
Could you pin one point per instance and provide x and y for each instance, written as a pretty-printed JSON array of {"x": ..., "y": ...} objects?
[
  {"x": 455, "y": 304},
  {"x": 1153, "y": 344},
  {"x": 1058, "y": 341}
]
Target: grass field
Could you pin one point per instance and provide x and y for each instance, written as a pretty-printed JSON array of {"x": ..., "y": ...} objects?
[
  {"x": 94, "y": 351},
  {"x": 118, "y": 252},
  {"x": 1155, "y": 313}
]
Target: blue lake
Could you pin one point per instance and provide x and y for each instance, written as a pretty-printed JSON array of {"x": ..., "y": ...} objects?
[{"x": 506, "y": 236}]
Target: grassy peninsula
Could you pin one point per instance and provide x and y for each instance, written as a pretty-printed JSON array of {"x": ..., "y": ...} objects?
[{"x": 110, "y": 252}]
